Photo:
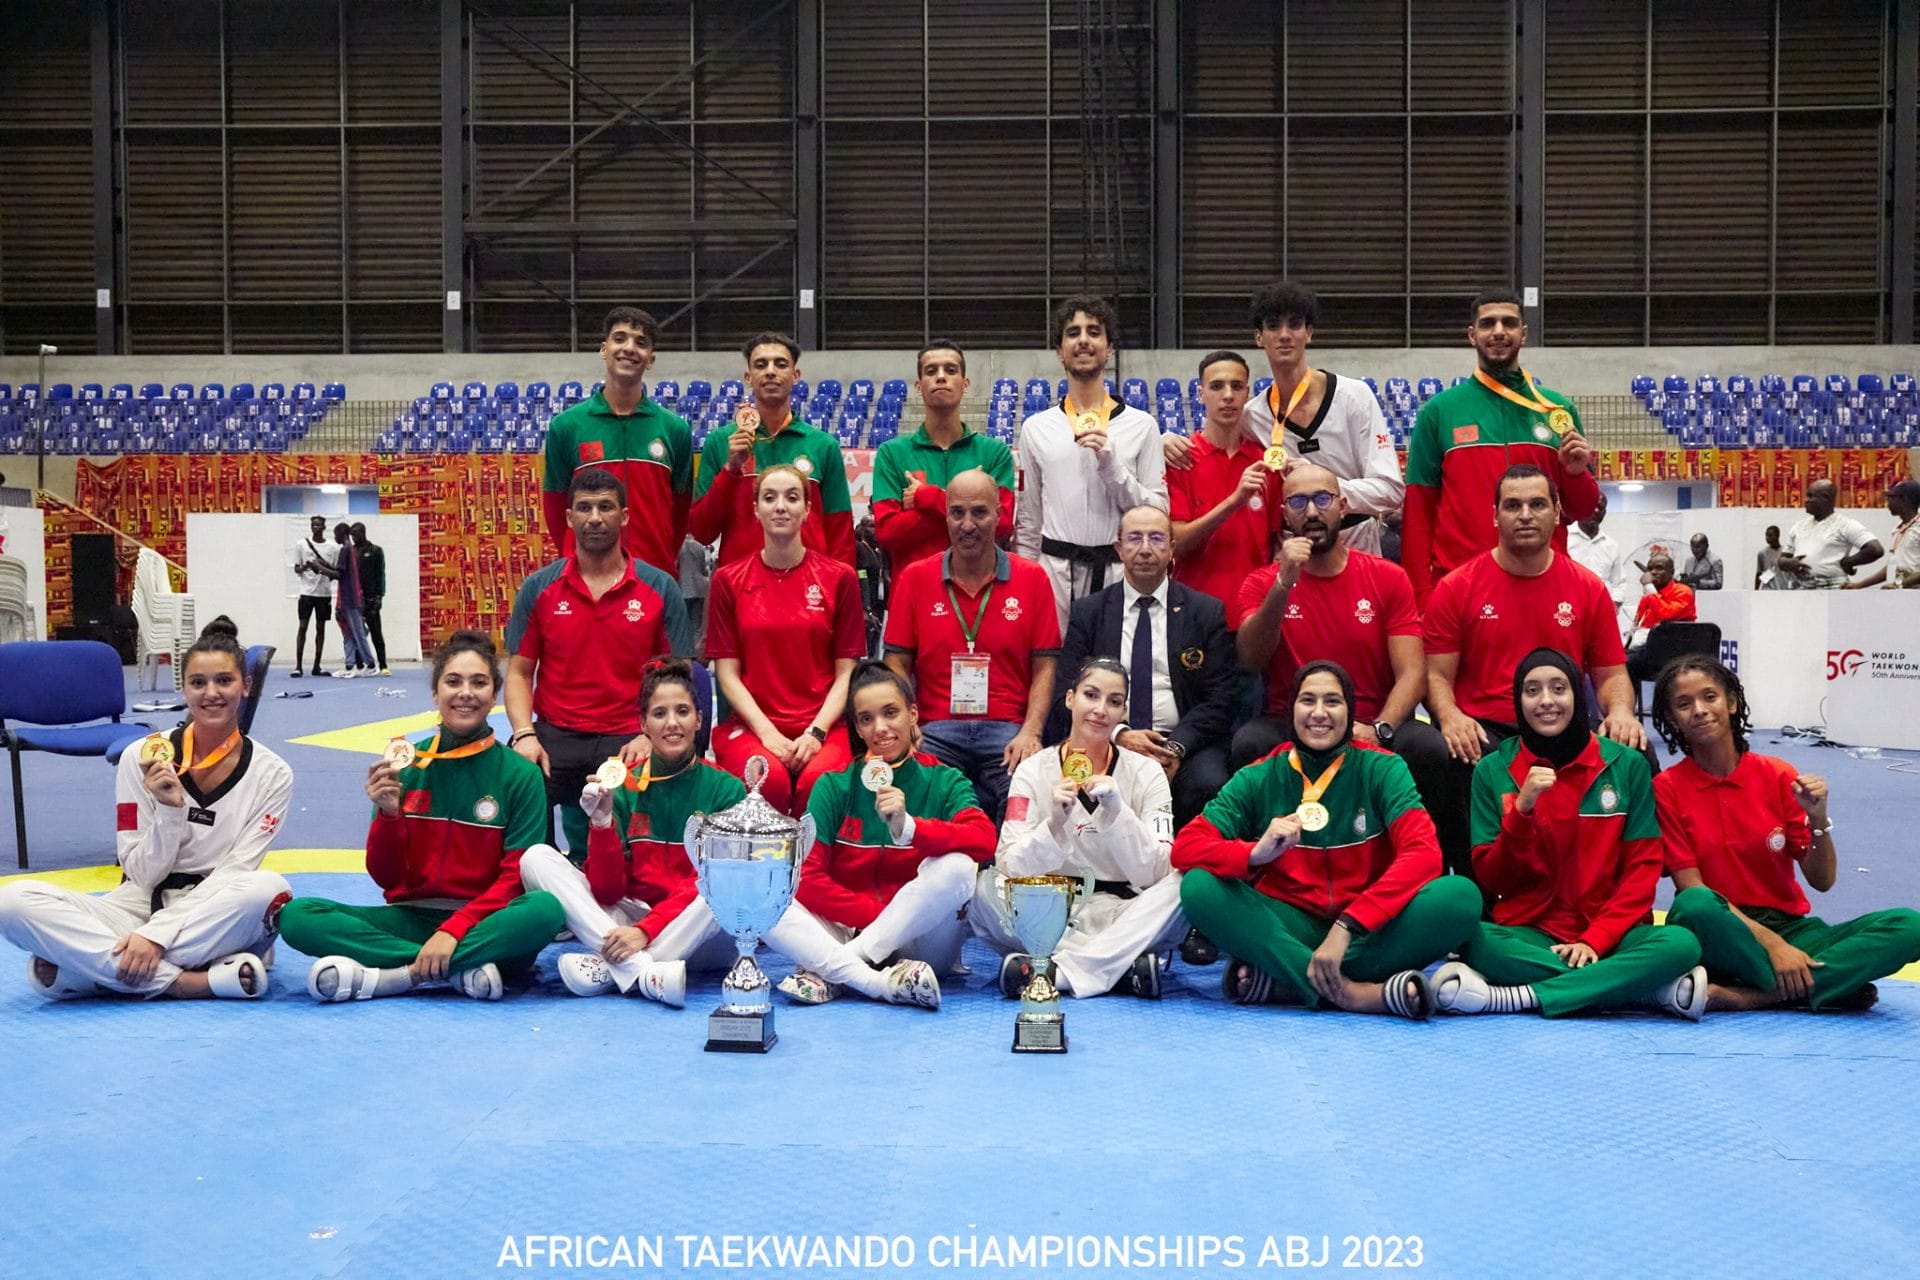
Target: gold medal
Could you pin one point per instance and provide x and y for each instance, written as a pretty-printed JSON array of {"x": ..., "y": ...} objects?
[
  {"x": 747, "y": 418},
  {"x": 876, "y": 774},
  {"x": 1088, "y": 421},
  {"x": 1275, "y": 457},
  {"x": 156, "y": 750},
  {"x": 399, "y": 753},
  {"x": 1560, "y": 421},
  {"x": 610, "y": 774},
  {"x": 1076, "y": 766},
  {"x": 1313, "y": 815}
]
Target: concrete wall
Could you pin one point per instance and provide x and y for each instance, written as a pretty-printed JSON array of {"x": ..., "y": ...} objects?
[{"x": 1576, "y": 370}]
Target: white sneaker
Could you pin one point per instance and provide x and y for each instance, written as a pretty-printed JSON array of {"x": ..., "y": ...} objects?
[
  {"x": 585, "y": 974},
  {"x": 913, "y": 982},
  {"x": 665, "y": 981},
  {"x": 483, "y": 983},
  {"x": 1694, "y": 984},
  {"x": 806, "y": 988},
  {"x": 1458, "y": 988},
  {"x": 334, "y": 979}
]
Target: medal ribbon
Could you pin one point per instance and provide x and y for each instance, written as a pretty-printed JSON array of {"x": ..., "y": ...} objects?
[
  {"x": 1300, "y": 390},
  {"x": 1539, "y": 403},
  {"x": 1312, "y": 791},
  {"x": 1106, "y": 410},
  {"x": 647, "y": 777},
  {"x": 422, "y": 759},
  {"x": 207, "y": 761}
]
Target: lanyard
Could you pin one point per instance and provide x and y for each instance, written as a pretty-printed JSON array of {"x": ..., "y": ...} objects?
[
  {"x": 1312, "y": 791},
  {"x": 209, "y": 760},
  {"x": 1300, "y": 390},
  {"x": 433, "y": 752},
  {"x": 979, "y": 617}
]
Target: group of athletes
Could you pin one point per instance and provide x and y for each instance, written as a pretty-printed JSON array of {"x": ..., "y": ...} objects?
[{"x": 1174, "y": 668}]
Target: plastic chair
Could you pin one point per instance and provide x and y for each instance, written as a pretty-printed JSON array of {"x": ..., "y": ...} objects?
[
  {"x": 50, "y": 689},
  {"x": 1672, "y": 640}
]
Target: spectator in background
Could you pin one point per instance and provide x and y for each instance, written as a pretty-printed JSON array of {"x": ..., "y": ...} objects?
[
  {"x": 696, "y": 571},
  {"x": 1599, "y": 554},
  {"x": 1824, "y": 547},
  {"x": 1390, "y": 536},
  {"x": 1902, "y": 569},
  {"x": 1668, "y": 601},
  {"x": 1766, "y": 567},
  {"x": 1703, "y": 571},
  {"x": 373, "y": 590},
  {"x": 353, "y": 628},
  {"x": 870, "y": 561},
  {"x": 313, "y": 563}
]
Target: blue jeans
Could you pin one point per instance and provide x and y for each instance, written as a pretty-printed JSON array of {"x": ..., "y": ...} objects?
[
  {"x": 353, "y": 633},
  {"x": 975, "y": 747}
]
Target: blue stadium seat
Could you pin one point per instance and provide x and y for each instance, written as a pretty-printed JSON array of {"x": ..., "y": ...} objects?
[
  {"x": 212, "y": 393},
  {"x": 1428, "y": 388},
  {"x": 1870, "y": 384},
  {"x": 1837, "y": 384},
  {"x": 474, "y": 391},
  {"x": 1675, "y": 385},
  {"x": 1134, "y": 392},
  {"x": 506, "y": 391},
  {"x": 303, "y": 392},
  {"x": 240, "y": 391},
  {"x": 334, "y": 393},
  {"x": 1901, "y": 383},
  {"x": 539, "y": 391},
  {"x": 152, "y": 391},
  {"x": 1739, "y": 384},
  {"x": 1804, "y": 384},
  {"x": 894, "y": 387},
  {"x": 572, "y": 392},
  {"x": 92, "y": 393},
  {"x": 1644, "y": 385}
]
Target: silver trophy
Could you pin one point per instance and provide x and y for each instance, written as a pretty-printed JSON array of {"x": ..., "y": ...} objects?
[
  {"x": 1041, "y": 907},
  {"x": 748, "y": 859}
]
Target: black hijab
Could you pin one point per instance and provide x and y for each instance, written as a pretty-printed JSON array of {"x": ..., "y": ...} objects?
[
  {"x": 1564, "y": 747},
  {"x": 1339, "y": 673}
]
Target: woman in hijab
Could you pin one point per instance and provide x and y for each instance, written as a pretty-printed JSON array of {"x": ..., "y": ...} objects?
[
  {"x": 1319, "y": 870},
  {"x": 1567, "y": 849}
]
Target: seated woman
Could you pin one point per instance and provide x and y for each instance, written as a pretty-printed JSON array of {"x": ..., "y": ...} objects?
[
  {"x": 1081, "y": 808},
  {"x": 901, "y": 838},
  {"x": 1567, "y": 847},
  {"x": 452, "y": 816},
  {"x": 784, "y": 626},
  {"x": 637, "y": 903},
  {"x": 1318, "y": 868},
  {"x": 194, "y": 912},
  {"x": 1736, "y": 823}
]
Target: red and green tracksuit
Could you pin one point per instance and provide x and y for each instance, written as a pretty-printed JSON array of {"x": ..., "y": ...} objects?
[
  {"x": 723, "y": 498},
  {"x": 449, "y": 863},
  {"x": 914, "y": 533},
  {"x": 1463, "y": 440},
  {"x": 642, "y": 854},
  {"x": 1373, "y": 868},
  {"x": 650, "y": 451},
  {"x": 855, "y": 868},
  {"x": 1582, "y": 867}
]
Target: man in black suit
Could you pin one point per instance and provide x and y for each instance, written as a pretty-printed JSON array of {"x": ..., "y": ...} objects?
[{"x": 1183, "y": 687}]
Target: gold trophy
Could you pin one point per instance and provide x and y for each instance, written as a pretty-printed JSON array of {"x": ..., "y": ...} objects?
[{"x": 1041, "y": 907}]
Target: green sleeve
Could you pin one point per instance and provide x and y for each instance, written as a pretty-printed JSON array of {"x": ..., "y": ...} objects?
[
  {"x": 887, "y": 475},
  {"x": 828, "y": 805},
  {"x": 527, "y": 797},
  {"x": 713, "y": 456},
  {"x": 1000, "y": 467},
  {"x": 1424, "y": 448},
  {"x": 1238, "y": 810},
  {"x": 1492, "y": 780},
  {"x": 834, "y": 497},
  {"x": 559, "y": 455},
  {"x": 1392, "y": 782},
  {"x": 958, "y": 794},
  {"x": 1636, "y": 788},
  {"x": 673, "y": 606},
  {"x": 682, "y": 453},
  {"x": 523, "y": 601}
]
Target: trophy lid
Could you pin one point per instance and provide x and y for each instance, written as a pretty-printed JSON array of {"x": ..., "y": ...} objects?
[{"x": 753, "y": 816}]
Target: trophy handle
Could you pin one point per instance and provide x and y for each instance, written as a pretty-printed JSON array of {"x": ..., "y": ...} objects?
[{"x": 804, "y": 842}]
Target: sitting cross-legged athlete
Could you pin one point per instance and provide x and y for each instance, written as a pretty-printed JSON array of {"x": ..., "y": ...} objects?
[
  {"x": 1087, "y": 807},
  {"x": 901, "y": 837},
  {"x": 1737, "y": 823},
  {"x": 1318, "y": 870},
  {"x": 1567, "y": 849},
  {"x": 194, "y": 913},
  {"x": 451, "y": 818}
]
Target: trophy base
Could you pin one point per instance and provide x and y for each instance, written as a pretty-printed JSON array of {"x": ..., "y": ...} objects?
[
  {"x": 729, "y": 1032},
  {"x": 1040, "y": 1033}
]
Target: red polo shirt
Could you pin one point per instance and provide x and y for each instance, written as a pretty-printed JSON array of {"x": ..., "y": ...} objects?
[
  {"x": 1744, "y": 832},
  {"x": 1020, "y": 623},
  {"x": 1240, "y": 544},
  {"x": 592, "y": 654},
  {"x": 787, "y": 627},
  {"x": 1346, "y": 618},
  {"x": 1493, "y": 619}
]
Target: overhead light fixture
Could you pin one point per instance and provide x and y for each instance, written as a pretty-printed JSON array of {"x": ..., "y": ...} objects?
[
  {"x": 1632, "y": 486},
  {"x": 340, "y": 488}
]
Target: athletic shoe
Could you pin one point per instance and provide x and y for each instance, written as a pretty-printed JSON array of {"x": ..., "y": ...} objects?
[
  {"x": 1142, "y": 978},
  {"x": 1686, "y": 995},
  {"x": 385, "y": 672},
  {"x": 1458, "y": 988},
  {"x": 483, "y": 983},
  {"x": 297, "y": 673},
  {"x": 913, "y": 982},
  {"x": 1198, "y": 950},
  {"x": 664, "y": 981},
  {"x": 336, "y": 978},
  {"x": 585, "y": 974},
  {"x": 806, "y": 988}
]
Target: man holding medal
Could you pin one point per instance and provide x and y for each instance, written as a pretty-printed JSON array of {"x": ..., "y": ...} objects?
[
  {"x": 1467, "y": 436},
  {"x": 1083, "y": 462},
  {"x": 1326, "y": 419},
  {"x": 582, "y": 631},
  {"x": 976, "y": 630}
]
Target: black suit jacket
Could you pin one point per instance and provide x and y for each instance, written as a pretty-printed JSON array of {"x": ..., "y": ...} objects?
[{"x": 1205, "y": 680}]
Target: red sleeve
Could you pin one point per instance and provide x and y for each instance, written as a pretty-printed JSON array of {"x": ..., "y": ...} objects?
[
  {"x": 722, "y": 642},
  {"x": 668, "y": 909},
  {"x": 1396, "y": 594},
  {"x": 970, "y": 831},
  {"x": 504, "y": 889},
  {"x": 1675, "y": 828},
  {"x": 838, "y": 526},
  {"x": 1440, "y": 624},
  {"x": 1416, "y": 860},
  {"x": 1180, "y": 496},
  {"x": 1253, "y": 589},
  {"x": 1003, "y": 527},
  {"x": 554, "y": 505},
  {"x": 1417, "y": 519},
  {"x": 1661, "y": 609},
  {"x": 1579, "y": 496},
  {"x": 1513, "y": 861},
  {"x": 1632, "y": 897},
  {"x": 708, "y": 515},
  {"x": 849, "y": 619},
  {"x": 893, "y": 526},
  {"x": 387, "y": 850},
  {"x": 827, "y": 898},
  {"x": 1200, "y": 844},
  {"x": 606, "y": 864}
]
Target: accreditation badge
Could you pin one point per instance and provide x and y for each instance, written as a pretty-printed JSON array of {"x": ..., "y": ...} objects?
[{"x": 967, "y": 694}]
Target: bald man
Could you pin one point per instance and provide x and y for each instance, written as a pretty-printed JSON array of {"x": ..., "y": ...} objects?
[
  {"x": 1824, "y": 547},
  {"x": 975, "y": 629}
]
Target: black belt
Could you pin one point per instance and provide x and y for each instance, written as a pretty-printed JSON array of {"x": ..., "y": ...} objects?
[
  {"x": 1118, "y": 888},
  {"x": 1097, "y": 558},
  {"x": 175, "y": 880}
]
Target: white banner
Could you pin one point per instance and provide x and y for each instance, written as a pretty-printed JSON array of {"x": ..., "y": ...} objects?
[{"x": 1873, "y": 668}]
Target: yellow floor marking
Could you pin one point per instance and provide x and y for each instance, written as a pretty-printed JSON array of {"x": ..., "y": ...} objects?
[
  {"x": 372, "y": 738},
  {"x": 285, "y": 861}
]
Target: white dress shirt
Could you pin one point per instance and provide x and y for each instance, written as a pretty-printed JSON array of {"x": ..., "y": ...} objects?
[{"x": 1165, "y": 713}]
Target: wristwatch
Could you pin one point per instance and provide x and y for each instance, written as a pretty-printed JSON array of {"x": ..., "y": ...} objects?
[
  {"x": 1178, "y": 748},
  {"x": 818, "y": 733},
  {"x": 1383, "y": 732}
]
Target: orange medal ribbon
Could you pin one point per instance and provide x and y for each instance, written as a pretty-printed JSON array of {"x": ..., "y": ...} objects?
[
  {"x": 1539, "y": 403},
  {"x": 1300, "y": 390},
  {"x": 424, "y": 758},
  {"x": 1310, "y": 792},
  {"x": 207, "y": 761}
]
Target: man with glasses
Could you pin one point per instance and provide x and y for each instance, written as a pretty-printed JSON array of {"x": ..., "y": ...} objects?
[
  {"x": 1322, "y": 599},
  {"x": 1181, "y": 683}
]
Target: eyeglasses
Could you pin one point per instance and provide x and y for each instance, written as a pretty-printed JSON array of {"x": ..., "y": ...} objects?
[
  {"x": 1319, "y": 500},
  {"x": 1156, "y": 540}
]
